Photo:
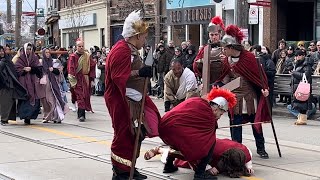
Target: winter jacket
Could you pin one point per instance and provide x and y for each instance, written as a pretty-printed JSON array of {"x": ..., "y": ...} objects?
[
  {"x": 288, "y": 64},
  {"x": 300, "y": 67},
  {"x": 190, "y": 58},
  {"x": 162, "y": 61}
]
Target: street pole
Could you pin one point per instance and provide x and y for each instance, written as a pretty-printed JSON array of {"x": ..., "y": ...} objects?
[
  {"x": 157, "y": 24},
  {"x": 35, "y": 21},
  {"x": 242, "y": 14},
  {"x": 17, "y": 32},
  {"x": 9, "y": 15}
]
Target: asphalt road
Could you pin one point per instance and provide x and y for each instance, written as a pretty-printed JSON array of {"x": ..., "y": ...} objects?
[{"x": 81, "y": 150}]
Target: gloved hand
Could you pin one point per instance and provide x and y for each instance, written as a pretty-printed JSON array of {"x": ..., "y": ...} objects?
[{"x": 146, "y": 71}]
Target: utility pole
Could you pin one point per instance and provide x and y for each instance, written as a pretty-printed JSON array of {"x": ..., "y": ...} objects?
[
  {"x": 9, "y": 15},
  {"x": 157, "y": 21},
  {"x": 17, "y": 33},
  {"x": 242, "y": 14},
  {"x": 35, "y": 21}
]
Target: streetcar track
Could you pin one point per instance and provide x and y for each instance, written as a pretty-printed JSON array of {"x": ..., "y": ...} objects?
[
  {"x": 147, "y": 141},
  {"x": 151, "y": 142},
  {"x": 81, "y": 154}
]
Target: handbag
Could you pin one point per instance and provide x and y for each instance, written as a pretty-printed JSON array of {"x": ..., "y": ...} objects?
[
  {"x": 303, "y": 90},
  {"x": 43, "y": 80}
]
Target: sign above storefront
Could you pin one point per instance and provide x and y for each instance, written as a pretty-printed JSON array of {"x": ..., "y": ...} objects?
[
  {"x": 176, "y": 4},
  {"x": 195, "y": 15},
  {"x": 78, "y": 20}
]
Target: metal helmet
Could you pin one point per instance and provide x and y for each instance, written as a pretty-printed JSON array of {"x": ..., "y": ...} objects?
[
  {"x": 228, "y": 40},
  {"x": 221, "y": 102},
  {"x": 224, "y": 98},
  {"x": 216, "y": 25},
  {"x": 233, "y": 36}
]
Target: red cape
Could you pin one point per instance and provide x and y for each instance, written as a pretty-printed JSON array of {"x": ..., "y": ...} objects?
[
  {"x": 222, "y": 145},
  {"x": 190, "y": 128},
  {"x": 118, "y": 69},
  {"x": 248, "y": 67}
]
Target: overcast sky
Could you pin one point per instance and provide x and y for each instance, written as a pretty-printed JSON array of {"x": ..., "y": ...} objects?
[{"x": 27, "y": 5}]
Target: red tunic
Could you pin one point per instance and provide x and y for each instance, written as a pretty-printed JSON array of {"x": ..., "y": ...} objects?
[
  {"x": 190, "y": 128},
  {"x": 82, "y": 90},
  {"x": 248, "y": 68},
  {"x": 118, "y": 69},
  {"x": 222, "y": 145}
]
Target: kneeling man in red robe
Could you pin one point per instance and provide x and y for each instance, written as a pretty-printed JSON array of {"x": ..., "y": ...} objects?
[{"x": 190, "y": 128}]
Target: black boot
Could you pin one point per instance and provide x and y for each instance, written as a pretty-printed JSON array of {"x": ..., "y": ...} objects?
[
  {"x": 81, "y": 115},
  {"x": 118, "y": 174},
  {"x": 4, "y": 122},
  {"x": 27, "y": 122},
  {"x": 138, "y": 175},
  {"x": 168, "y": 166},
  {"x": 167, "y": 105},
  {"x": 263, "y": 154}
]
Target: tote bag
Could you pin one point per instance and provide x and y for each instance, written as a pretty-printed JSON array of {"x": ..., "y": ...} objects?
[
  {"x": 43, "y": 80},
  {"x": 303, "y": 90}
]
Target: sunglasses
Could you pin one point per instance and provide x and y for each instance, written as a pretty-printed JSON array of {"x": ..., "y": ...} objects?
[
  {"x": 312, "y": 44},
  {"x": 300, "y": 44}
]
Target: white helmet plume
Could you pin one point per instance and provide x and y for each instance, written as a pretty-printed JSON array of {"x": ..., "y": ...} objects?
[{"x": 134, "y": 25}]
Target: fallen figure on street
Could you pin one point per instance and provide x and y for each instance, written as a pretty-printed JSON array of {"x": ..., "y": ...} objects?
[
  {"x": 190, "y": 129},
  {"x": 229, "y": 158}
]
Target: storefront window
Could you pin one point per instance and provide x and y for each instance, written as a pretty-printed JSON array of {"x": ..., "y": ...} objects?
[
  {"x": 318, "y": 10},
  {"x": 205, "y": 34},
  {"x": 317, "y": 30}
]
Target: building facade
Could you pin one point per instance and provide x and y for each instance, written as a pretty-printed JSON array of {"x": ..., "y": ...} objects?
[
  {"x": 52, "y": 19},
  {"x": 153, "y": 13},
  {"x": 86, "y": 19}
]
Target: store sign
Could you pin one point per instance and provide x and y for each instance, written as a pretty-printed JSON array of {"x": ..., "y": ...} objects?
[
  {"x": 254, "y": 15},
  {"x": 77, "y": 21},
  {"x": 177, "y": 4},
  {"x": 196, "y": 15}
]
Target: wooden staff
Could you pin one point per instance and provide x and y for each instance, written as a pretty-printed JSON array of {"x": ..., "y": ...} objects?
[
  {"x": 269, "y": 110},
  {"x": 240, "y": 125},
  {"x": 136, "y": 143}
]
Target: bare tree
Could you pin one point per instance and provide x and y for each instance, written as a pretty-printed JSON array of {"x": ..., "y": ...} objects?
[{"x": 76, "y": 19}]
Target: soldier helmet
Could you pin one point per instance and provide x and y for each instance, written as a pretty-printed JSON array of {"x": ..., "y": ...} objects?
[
  {"x": 216, "y": 25},
  {"x": 224, "y": 98},
  {"x": 233, "y": 36}
]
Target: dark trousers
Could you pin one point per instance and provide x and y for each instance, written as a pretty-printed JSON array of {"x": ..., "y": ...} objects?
[{"x": 236, "y": 132}]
